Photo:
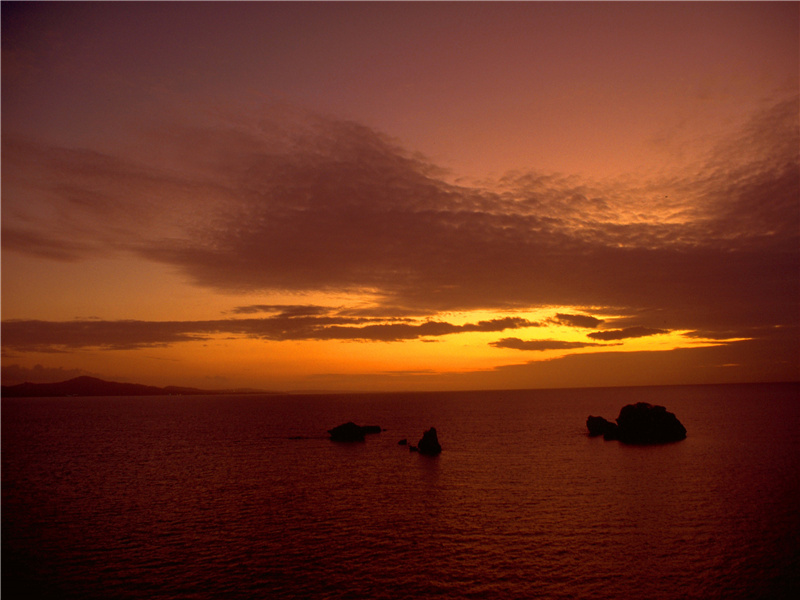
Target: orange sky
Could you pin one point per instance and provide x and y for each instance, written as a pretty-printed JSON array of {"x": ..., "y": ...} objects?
[{"x": 370, "y": 196}]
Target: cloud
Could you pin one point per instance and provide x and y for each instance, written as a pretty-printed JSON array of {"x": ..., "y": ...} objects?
[
  {"x": 539, "y": 345},
  {"x": 71, "y": 204},
  {"x": 403, "y": 331},
  {"x": 304, "y": 203},
  {"x": 36, "y": 243},
  {"x": 577, "y": 320},
  {"x": 283, "y": 310},
  {"x": 63, "y": 336},
  {"x": 60, "y": 336},
  {"x": 628, "y": 332}
]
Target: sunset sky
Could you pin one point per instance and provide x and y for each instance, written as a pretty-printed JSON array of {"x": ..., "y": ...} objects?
[{"x": 401, "y": 196}]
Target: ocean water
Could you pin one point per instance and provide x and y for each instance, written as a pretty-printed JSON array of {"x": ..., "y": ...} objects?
[{"x": 245, "y": 497}]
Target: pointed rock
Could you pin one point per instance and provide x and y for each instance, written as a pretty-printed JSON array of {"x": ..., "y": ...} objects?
[{"x": 429, "y": 444}]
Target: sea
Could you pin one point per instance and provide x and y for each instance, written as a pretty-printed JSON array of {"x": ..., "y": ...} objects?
[{"x": 245, "y": 496}]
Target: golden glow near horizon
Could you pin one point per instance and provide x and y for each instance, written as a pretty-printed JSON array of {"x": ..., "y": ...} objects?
[{"x": 243, "y": 360}]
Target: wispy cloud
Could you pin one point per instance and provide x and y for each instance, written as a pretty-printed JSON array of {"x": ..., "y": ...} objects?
[
  {"x": 316, "y": 204},
  {"x": 59, "y": 336},
  {"x": 577, "y": 320},
  {"x": 282, "y": 310},
  {"x": 628, "y": 332},
  {"x": 540, "y": 345}
]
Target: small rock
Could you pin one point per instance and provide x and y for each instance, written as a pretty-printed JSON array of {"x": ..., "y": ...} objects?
[
  {"x": 600, "y": 426},
  {"x": 350, "y": 432}
]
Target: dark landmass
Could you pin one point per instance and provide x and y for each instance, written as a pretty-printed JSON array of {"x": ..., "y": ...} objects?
[
  {"x": 350, "y": 432},
  {"x": 92, "y": 386},
  {"x": 639, "y": 423}
]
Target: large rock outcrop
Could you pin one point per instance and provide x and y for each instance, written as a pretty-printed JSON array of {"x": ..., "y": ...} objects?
[
  {"x": 639, "y": 423},
  {"x": 643, "y": 423},
  {"x": 350, "y": 432}
]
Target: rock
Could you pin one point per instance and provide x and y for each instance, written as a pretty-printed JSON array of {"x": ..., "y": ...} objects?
[
  {"x": 643, "y": 423},
  {"x": 639, "y": 423},
  {"x": 350, "y": 432},
  {"x": 429, "y": 444},
  {"x": 402, "y": 442},
  {"x": 600, "y": 426}
]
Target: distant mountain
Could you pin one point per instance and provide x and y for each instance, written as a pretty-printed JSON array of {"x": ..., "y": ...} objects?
[{"x": 91, "y": 386}]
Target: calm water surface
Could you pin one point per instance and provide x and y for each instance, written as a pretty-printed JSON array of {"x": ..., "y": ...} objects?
[{"x": 245, "y": 497}]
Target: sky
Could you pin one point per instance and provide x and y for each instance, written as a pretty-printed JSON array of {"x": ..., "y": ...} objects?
[{"x": 366, "y": 196}]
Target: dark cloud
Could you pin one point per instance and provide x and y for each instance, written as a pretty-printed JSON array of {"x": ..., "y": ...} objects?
[
  {"x": 628, "y": 332},
  {"x": 283, "y": 310},
  {"x": 577, "y": 320},
  {"x": 395, "y": 313},
  {"x": 61, "y": 336},
  {"x": 403, "y": 331},
  {"x": 315, "y": 204},
  {"x": 752, "y": 183},
  {"x": 539, "y": 345}
]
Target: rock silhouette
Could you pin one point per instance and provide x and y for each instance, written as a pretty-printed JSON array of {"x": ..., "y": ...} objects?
[
  {"x": 639, "y": 423},
  {"x": 429, "y": 444},
  {"x": 350, "y": 432},
  {"x": 600, "y": 426}
]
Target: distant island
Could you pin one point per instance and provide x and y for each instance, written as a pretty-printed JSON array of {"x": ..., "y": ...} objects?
[{"x": 92, "y": 386}]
